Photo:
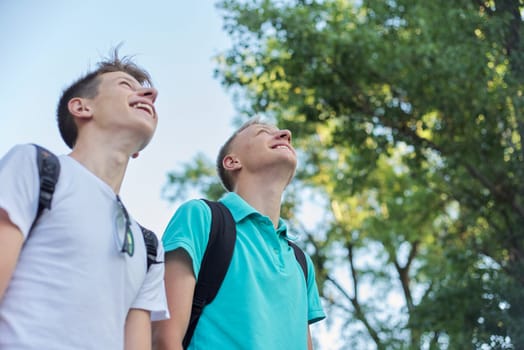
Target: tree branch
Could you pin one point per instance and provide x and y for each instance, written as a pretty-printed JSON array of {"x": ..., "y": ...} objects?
[
  {"x": 520, "y": 126},
  {"x": 354, "y": 275},
  {"x": 404, "y": 274},
  {"x": 359, "y": 313}
]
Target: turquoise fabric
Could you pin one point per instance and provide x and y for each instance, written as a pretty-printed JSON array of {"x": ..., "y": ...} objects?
[{"x": 264, "y": 302}]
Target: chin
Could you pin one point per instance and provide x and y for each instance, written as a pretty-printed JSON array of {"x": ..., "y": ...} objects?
[
  {"x": 145, "y": 142},
  {"x": 293, "y": 163}
]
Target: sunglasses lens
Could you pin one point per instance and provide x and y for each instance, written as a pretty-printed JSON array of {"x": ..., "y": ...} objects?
[
  {"x": 124, "y": 236},
  {"x": 129, "y": 243}
]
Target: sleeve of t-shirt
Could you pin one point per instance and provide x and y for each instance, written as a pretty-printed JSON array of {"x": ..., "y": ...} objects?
[
  {"x": 315, "y": 310},
  {"x": 20, "y": 185},
  {"x": 152, "y": 295},
  {"x": 188, "y": 229}
]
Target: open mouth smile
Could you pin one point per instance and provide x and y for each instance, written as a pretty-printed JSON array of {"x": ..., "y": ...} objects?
[
  {"x": 283, "y": 146},
  {"x": 145, "y": 107}
]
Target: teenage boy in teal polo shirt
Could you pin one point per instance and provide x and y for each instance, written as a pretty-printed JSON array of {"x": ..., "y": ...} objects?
[{"x": 264, "y": 302}]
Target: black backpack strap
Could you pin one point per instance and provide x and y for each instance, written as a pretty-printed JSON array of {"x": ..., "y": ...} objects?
[
  {"x": 300, "y": 256},
  {"x": 151, "y": 241},
  {"x": 49, "y": 170},
  {"x": 215, "y": 263}
]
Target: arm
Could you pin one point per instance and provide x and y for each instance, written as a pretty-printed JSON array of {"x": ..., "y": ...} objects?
[
  {"x": 180, "y": 285},
  {"x": 137, "y": 334},
  {"x": 309, "y": 341},
  {"x": 11, "y": 240},
  {"x": 315, "y": 311}
]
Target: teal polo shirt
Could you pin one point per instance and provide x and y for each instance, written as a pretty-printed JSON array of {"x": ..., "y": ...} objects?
[{"x": 264, "y": 302}]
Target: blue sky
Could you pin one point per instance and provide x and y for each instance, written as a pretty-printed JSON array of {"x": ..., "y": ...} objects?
[{"x": 47, "y": 44}]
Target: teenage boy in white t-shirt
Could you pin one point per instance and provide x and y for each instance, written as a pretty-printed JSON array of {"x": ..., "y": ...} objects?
[{"x": 78, "y": 279}]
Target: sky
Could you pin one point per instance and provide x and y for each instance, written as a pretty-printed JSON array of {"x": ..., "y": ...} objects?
[{"x": 47, "y": 44}]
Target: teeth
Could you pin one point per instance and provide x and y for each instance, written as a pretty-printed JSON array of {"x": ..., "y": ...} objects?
[{"x": 144, "y": 106}]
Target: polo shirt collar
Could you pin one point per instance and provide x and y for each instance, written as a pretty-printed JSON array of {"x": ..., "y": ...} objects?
[{"x": 240, "y": 209}]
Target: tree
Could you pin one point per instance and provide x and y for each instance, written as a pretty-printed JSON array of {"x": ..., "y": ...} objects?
[{"x": 409, "y": 116}]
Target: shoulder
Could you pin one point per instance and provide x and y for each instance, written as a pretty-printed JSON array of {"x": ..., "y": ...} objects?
[
  {"x": 192, "y": 211},
  {"x": 27, "y": 155},
  {"x": 194, "y": 205},
  {"x": 22, "y": 152},
  {"x": 191, "y": 219},
  {"x": 19, "y": 160}
]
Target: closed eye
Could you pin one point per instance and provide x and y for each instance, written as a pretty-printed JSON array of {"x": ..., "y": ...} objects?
[
  {"x": 266, "y": 130},
  {"x": 127, "y": 84}
]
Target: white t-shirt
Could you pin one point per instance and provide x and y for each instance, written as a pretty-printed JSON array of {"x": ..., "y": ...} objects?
[{"x": 72, "y": 287}]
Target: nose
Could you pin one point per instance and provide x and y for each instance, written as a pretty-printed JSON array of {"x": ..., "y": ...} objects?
[
  {"x": 149, "y": 92},
  {"x": 285, "y": 134}
]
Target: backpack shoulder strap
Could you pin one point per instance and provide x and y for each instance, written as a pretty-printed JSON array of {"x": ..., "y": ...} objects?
[
  {"x": 300, "y": 256},
  {"x": 215, "y": 263},
  {"x": 151, "y": 241},
  {"x": 48, "y": 170}
]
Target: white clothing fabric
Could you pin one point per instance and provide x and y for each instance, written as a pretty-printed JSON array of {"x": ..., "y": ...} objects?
[{"x": 72, "y": 287}]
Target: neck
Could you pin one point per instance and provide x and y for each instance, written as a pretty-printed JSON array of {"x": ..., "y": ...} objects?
[
  {"x": 107, "y": 163},
  {"x": 264, "y": 195}
]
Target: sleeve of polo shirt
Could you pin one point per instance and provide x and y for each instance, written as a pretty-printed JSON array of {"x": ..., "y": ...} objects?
[
  {"x": 189, "y": 229},
  {"x": 315, "y": 310}
]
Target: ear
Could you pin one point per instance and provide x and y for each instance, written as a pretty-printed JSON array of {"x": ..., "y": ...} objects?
[
  {"x": 80, "y": 108},
  {"x": 231, "y": 163}
]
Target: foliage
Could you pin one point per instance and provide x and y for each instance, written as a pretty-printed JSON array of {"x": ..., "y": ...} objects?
[{"x": 409, "y": 117}]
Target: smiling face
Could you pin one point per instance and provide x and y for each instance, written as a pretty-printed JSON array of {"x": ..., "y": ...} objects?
[
  {"x": 122, "y": 105},
  {"x": 72, "y": 110},
  {"x": 264, "y": 149}
]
